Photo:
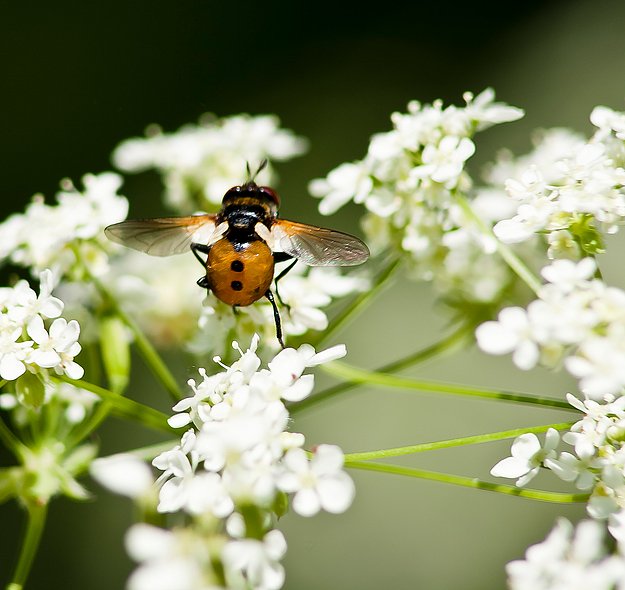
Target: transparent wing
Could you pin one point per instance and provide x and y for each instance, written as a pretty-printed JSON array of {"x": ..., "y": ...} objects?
[
  {"x": 317, "y": 246},
  {"x": 164, "y": 236}
]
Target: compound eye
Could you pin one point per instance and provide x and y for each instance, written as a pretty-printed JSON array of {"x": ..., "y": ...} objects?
[
  {"x": 232, "y": 193},
  {"x": 270, "y": 194}
]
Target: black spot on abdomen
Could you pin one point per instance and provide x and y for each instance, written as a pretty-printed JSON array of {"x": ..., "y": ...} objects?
[
  {"x": 236, "y": 285},
  {"x": 237, "y": 266}
]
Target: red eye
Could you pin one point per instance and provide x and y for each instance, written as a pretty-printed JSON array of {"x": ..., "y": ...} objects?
[{"x": 270, "y": 194}]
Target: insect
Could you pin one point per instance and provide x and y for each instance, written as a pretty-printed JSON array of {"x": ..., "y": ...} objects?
[{"x": 242, "y": 243}]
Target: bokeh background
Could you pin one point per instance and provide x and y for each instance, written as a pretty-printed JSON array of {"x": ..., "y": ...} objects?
[{"x": 77, "y": 78}]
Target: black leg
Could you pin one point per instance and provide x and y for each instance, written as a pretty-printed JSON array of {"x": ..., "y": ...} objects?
[
  {"x": 195, "y": 248},
  {"x": 282, "y": 257},
  {"x": 276, "y": 316}
]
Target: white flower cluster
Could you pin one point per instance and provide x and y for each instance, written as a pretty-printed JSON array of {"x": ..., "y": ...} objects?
[
  {"x": 576, "y": 318},
  {"x": 598, "y": 464},
  {"x": 201, "y": 162},
  {"x": 564, "y": 561},
  {"x": 407, "y": 183},
  {"x": 240, "y": 439},
  {"x": 567, "y": 199},
  {"x": 40, "y": 237},
  {"x": 237, "y": 460},
  {"x": 25, "y": 343}
]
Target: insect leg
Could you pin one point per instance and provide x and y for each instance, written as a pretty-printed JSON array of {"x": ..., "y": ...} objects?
[
  {"x": 195, "y": 248},
  {"x": 276, "y": 316},
  {"x": 282, "y": 257}
]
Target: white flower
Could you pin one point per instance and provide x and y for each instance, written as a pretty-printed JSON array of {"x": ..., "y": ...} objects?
[
  {"x": 27, "y": 303},
  {"x": 123, "y": 474},
  {"x": 527, "y": 457},
  {"x": 513, "y": 331},
  {"x": 12, "y": 353},
  {"x": 348, "y": 181},
  {"x": 567, "y": 275},
  {"x": 169, "y": 560},
  {"x": 58, "y": 349},
  {"x": 600, "y": 367},
  {"x": 319, "y": 483},
  {"x": 257, "y": 561},
  {"x": 444, "y": 163},
  {"x": 483, "y": 110},
  {"x": 563, "y": 562}
]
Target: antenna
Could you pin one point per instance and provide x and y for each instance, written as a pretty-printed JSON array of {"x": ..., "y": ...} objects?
[{"x": 251, "y": 177}]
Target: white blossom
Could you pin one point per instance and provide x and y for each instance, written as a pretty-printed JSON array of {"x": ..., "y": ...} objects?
[
  {"x": 169, "y": 560},
  {"x": 258, "y": 560},
  {"x": 527, "y": 457},
  {"x": 124, "y": 474},
  {"x": 319, "y": 483},
  {"x": 566, "y": 562}
]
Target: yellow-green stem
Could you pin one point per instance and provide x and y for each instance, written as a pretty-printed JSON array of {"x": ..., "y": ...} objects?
[
  {"x": 123, "y": 407},
  {"x": 444, "y": 346},
  {"x": 9, "y": 439},
  {"x": 34, "y": 528},
  {"x": 470, "y": 482},
  {"x": 356, "y": 375},
  {"x": 454, "y": 442}
]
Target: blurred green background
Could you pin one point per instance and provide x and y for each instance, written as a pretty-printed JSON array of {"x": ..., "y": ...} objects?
[{"x": 77, "y": 78}]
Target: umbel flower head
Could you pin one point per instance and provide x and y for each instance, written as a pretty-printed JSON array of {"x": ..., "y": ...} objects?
[
  {"x": 237, "y": 459},
  {"x": 42, "y": 236},
  {"x": 567, "y": 559},
  {"x": 22, "y": 315},
  {"x": 408, "y": 181},
  {"x": 573, "y": 194},
  {"x": 199, "y": 163},
  {"x": 239, "y": 448}
]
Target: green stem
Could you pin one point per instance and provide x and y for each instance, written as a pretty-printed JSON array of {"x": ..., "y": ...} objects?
[
  {"x": 85, "y": 428},
  {"x": 440, "y": 348},
  {"x": 144, "y": 346},
  {"x": 470, "y": 482},
  {"x": 9, "y": 439},
  {"x": 34, "y": 529},
  {"x": 356, "y": 375},
  {"x": 513, "y": 261},
  {"x": 359, "y": 304},
  {"x": 123, "y": 407},
  {"x": 454, "y": 442}
]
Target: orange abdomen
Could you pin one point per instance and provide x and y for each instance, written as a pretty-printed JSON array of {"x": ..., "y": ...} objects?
[{"x": 239, "y": 277}]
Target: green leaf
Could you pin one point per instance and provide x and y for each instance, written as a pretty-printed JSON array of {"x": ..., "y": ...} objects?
[
  {"x": 115, "y": 352},
  {"x": 30, "y": 390},
  {"x": 281, "y": 504}
]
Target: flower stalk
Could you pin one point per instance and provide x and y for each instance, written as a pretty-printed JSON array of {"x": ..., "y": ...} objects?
[
  {"x": 355, "y": 375},
  {"x": 35, "y": 524},
  {"x": 469, "y": 482}
]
